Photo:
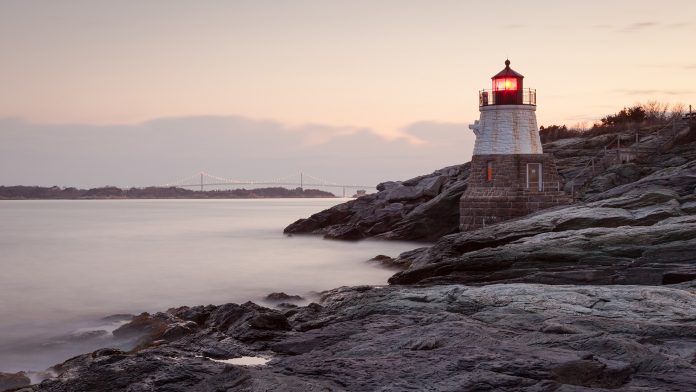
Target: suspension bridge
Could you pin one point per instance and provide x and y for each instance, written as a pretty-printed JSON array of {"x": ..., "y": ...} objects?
[{"x": 301, "y": 180}]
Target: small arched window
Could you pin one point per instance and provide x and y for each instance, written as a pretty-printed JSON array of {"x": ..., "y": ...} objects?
[{"x": 489, "y": 171}]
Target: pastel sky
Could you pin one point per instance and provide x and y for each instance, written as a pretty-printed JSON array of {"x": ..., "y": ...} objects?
[{"x": 328, "y": 68}]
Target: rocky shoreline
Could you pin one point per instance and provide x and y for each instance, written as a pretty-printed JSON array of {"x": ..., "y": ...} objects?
[
  {"x": 503, "y": 337},
  {"x": 597, "y": 295}
]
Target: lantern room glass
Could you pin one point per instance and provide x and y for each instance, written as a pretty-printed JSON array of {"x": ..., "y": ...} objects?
[{"x": 505, "y": 84}]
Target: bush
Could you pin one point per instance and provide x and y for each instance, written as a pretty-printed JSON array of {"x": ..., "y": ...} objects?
[
  {"x": 555, "y": 132},
  {"x": 633, "y": 115}
]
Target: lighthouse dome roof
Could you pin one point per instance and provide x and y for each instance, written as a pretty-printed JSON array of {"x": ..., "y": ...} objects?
[{"x": 507, "y": 72}]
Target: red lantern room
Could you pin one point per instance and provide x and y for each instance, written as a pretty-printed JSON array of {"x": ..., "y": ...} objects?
[{"x": 507, "y": 90}]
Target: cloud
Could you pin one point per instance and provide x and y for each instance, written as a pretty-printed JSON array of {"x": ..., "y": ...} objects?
[
  {"x": 163, "y": 150},
  {"x": 640, "y": 26}
]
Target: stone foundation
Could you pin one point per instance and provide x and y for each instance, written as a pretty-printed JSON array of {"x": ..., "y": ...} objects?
[{"x": 506, "y": 193}]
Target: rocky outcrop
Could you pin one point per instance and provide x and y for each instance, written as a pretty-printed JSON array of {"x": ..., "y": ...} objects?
[
  {"x": 515, "y": 337},
  {"x": 283, "y": 297},
  {"x": 426, "y": 208},
  {"x": 419, "y": 209},
  {"x": 11, "y": 381},
  {"x": 638, "y": 233}
]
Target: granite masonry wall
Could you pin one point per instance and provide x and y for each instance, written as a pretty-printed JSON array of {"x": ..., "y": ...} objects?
[{"x": 507, "y": 193}]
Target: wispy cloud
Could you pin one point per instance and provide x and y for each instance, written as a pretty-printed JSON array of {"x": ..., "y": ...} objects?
[
  {"x": 638, "y": 26},
  {"x": 646, "y": 25}
]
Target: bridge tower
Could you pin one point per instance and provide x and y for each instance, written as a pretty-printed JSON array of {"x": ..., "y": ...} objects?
[{"x": 510, "y": 174}]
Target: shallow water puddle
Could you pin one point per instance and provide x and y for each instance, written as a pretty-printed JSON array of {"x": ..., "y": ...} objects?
[{"x": 243, "y": 361}]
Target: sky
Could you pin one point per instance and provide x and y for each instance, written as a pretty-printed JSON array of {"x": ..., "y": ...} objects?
[{"x": 90, "y": 90}]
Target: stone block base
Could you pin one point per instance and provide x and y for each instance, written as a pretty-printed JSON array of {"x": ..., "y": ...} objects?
[
  {"x": 480, "y": 208},
  {"x": 499, "y": 189}
]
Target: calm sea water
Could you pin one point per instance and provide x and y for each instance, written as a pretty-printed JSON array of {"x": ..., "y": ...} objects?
[{"x": 64, "y": 265}]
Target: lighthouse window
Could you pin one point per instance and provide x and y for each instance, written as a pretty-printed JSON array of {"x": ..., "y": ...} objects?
[
  {"x": 489, "y": 171},
  {"x": 505, "y": 84}
]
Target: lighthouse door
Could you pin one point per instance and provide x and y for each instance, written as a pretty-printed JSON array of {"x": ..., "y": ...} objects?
[{"x": 534, "y": 176}]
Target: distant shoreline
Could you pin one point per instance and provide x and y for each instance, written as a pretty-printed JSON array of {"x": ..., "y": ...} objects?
[{"x": 21, "y": 192}]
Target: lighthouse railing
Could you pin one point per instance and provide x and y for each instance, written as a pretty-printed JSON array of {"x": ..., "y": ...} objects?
[{"x": 525, "y": 96}]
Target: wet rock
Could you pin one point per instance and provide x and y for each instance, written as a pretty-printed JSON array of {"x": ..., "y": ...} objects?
[
  {"x": 306, "y": 314},
  {"x": 505, "y": 337},
  {"x": 118, "y": 317},
  {"x": 178, "y": 330},
  {"x": 610, "y": 255},
  {"x": 680, "y": 179},
  {"x": 271, "y": 321},
  {"x": 593, "y": 373},
  {"x": 151, "y": 326},
  {"x": 282, "y": 297},
  {"x": 418, "y": 209},
  {"x": 644, "y": 235},
  {"x": 431, "y": 219},
  {"x": 386, "y": 261},
  {"x": 197, "y": 314},
  {"x": 151, "y": 370},
  {"x": 226, "y": 316}
]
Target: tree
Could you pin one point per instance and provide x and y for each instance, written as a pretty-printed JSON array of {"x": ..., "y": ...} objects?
[{"x": 634, "y": 114}]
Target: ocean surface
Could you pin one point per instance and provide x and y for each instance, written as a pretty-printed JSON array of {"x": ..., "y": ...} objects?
[{"x": 66, "y": 265}]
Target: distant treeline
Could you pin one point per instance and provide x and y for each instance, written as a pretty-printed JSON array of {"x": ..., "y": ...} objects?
[{"x": 110, "y": 192}]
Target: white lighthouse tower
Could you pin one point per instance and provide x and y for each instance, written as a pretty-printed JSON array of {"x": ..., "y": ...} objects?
[
  {"x": 510, "y": 174},
  {"x": 508, "y": 120}
]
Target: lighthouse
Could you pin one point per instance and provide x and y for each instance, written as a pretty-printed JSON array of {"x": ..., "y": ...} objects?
[{"x": 510, "y": 175}]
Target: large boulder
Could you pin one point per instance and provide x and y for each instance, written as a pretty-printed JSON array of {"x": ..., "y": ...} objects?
[{"x": 419, "y": 209}]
